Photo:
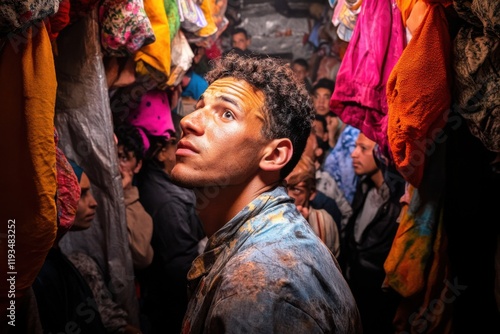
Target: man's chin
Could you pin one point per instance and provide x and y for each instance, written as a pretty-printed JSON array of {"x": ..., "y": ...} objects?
[{"x": 181, "y": 177}]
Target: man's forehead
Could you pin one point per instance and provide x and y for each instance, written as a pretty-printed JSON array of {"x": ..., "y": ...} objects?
[
  {"x": 239, "y": 35},
  {"x": 232, "y": 85}
]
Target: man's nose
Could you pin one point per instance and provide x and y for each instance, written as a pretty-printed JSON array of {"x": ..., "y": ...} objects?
[{"x": 193, "y": 122}]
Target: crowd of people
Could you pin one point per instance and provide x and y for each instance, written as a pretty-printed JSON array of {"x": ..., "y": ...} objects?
[
  {"x": 254, "y": 209},
  {"x": 296, "y": 189}
]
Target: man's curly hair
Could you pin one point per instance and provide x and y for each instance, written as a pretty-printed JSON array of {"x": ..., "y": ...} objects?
[{"x": 288, "y": 110}]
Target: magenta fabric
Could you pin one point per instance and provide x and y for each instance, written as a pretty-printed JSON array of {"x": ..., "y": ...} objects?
[
  {"x": 153, "y": 116},
  {"x": 377, "y": 43}
]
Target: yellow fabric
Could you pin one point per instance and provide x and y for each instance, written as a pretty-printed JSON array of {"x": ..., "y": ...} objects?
[
  {"x": 405, "y": 7},
  {"x": 28, "y": 176},
  {"x": 208, "y": 7},
  {"x": 156, "y": 54}
]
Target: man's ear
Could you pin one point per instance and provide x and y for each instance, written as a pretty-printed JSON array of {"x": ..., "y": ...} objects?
[
  {"x": 276, "y": 154},
  {"x": 137, "y": 167}
]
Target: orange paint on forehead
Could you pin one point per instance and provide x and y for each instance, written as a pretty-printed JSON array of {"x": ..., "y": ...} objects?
[{"x": 242, "y": 94}]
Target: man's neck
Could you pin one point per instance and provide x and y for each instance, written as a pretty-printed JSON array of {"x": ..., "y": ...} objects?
[
  {"x": 378, "y": 178},
  {"x": 218, "y": 205}
]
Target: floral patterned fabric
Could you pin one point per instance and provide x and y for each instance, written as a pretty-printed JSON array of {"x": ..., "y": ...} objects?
[
  {"x": 125, "y": 27},
  {"x": 15, "y": 14}
]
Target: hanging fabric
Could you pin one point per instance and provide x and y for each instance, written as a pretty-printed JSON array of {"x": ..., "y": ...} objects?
[
  {"x": 16, "y": 14},
  {"x": 125, "y": 27},
  {"x": 28, "y": 183},
  {"x": 419, "y": 102}
]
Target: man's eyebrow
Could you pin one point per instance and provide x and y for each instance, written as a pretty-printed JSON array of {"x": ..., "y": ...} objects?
[
  {"x": 229, "y": 100},
  {"x": 223, "y": 98}
]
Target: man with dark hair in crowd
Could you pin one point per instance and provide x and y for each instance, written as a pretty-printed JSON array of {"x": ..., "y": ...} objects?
[
  {"x": 240, "y": 43},
  {"x": 300, "y": 67},
  {"x": 367, "y": 240},
  {"x": 263, "y": 269}
]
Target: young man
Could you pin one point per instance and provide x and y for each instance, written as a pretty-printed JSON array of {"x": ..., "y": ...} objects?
[
  {"x": 263, "y": 270},
  {"x": 240, "y": 39},
  {"x": 322, "y": 92},
  {"x": 240, "y": 43},
  {"x": 367, "y": 240}
]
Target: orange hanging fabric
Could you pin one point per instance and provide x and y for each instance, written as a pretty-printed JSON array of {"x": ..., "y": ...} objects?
[{"x": 28, "y": 182}]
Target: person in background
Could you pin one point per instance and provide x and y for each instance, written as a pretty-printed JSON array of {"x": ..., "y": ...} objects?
[
  {"x": 64, "y": 299},
  {"x": 240, "y": 39},
  {"x": 301, "y": 186},
  {"x": 177, "y": 230},
  {"x": 114, "y": 317},
  {"x": 333, "y": 178},
  {"x": 300, "y": 67},
  {"x": 341, "y": 139},
  {"x": 240, "y": 43},
  {"x": 139, "y": 223},
  {"x": 367, "y": 240},
  {"x": 321, "y": 93},
  {"x": 327, "y": 194},
  {"x": 263, "y": 269}
]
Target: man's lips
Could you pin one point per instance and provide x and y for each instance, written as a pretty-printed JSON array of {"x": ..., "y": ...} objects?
[
  {"x": 90, "y": 217},
  {"x": 185, "y": 148}
]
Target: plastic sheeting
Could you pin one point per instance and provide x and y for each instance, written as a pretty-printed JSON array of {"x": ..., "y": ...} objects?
[{"x": 84, "y": 122}]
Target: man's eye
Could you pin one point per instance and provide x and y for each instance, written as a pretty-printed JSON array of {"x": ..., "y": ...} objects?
[{"x": 227, "y": 114}]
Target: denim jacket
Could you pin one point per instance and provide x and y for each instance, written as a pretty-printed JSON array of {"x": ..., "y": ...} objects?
[{"x": 265, "y": 271}]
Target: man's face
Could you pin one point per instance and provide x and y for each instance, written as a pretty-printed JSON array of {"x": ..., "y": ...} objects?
[
  {"x": 321, "y": 100},
  {"x": 127, "y": 161},
  {"x": 363, "y": 161},
  {"x": 222, "y": 141},
  {"x": 240, "y": 41},
  {"x": 300, "y": 193},
  {"x": 300, "y": 71},
  {"x": 86, "y": 206}
]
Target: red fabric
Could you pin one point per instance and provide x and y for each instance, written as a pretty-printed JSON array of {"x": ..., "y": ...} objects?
[
  {"x": 214, "y": 51},
  {"x": 59, "y": 20},
  {"x": 68, "y": 193}
]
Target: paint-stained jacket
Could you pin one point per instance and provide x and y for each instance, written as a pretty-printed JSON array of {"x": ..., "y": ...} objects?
[{"x": 266, "y": 271}]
